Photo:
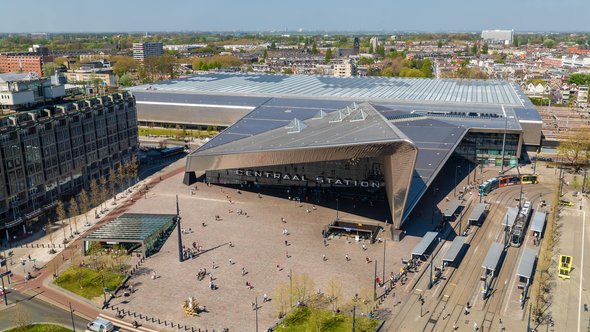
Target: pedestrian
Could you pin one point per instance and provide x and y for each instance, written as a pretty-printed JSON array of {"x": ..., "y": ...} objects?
[
  {"x": 324, "y": 257},
  {"x": 347, "y": 258},
  {"x": 265, "y": 298},
  {"x": 287, "y": 254},
  {"x": 230, "y": 262},
  {"x": 278, "y": 267},
  {"x": 243, "y": 271},
  {"x": 475, "y": 328},
  {"x": 325, "y": 242},
  {"x": 213, "y": 266},
  {"x": 286, "y": 243},
  {"x": 364, "y": 247},
  {"x": 231, "y": 244}
]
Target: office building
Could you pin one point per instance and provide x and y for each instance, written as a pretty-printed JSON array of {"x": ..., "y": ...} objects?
[
  {"x": 143, "y": 50},
  {"x": 367, "y": 137},
  {"x": 503, "y": 37},
  {"x": 54, "y": 152},
  {"x": 344, "y": 68}
]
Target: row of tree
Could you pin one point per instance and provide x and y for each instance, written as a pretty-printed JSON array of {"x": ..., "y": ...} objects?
[{"x": 99, "y": 192}]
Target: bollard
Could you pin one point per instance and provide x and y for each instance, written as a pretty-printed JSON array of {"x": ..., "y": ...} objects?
[
  {"x": 171, "y": 324},
  {"x": 42, "y": 245},
  {"x": 140, "y": 316},
  {"x": 159, "y": 321},
  {"x": 165, "y": 323}
]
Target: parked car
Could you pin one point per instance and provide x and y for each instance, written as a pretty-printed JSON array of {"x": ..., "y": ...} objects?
[{"x": 100, "y": 325}]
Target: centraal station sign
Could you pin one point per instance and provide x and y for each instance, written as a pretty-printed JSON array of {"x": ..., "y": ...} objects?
[{"x": 303, "y": 178}]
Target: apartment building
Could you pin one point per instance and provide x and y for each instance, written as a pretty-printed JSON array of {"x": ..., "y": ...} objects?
[
  {"x": 141, "y": 51},
  {"x": 55, "y": 151},
  {"x": 19, "y": 91},
  {"x": 23, "y": 63},
  {"x": 344, "y": 68}
]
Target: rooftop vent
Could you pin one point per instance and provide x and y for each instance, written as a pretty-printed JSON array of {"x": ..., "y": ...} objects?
[{"x": 295, "y": 126}]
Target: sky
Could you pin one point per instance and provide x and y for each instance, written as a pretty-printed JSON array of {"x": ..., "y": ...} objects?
[{"x": 309, "y": 15}]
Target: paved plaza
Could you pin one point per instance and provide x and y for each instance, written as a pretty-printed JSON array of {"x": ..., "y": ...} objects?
[{"x": 258, "y": 247}]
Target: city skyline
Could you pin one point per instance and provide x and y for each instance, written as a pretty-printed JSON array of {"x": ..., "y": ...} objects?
[{"x": 458, "y": 15}]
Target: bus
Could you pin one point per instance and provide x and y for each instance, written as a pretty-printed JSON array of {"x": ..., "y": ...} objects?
[{"x": 171, "y": 151}]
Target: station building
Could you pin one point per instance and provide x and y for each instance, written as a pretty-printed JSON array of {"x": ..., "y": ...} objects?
[{"x": 365, "y": 137}]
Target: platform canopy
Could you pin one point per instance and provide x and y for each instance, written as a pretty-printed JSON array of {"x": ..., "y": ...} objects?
[
  {"x": 455, "y": 249},
  {"x": 527, "y": 263},
  {"x": 426, "y": 242},
  {"x": 477, "y": 212},
  {"x": 510, "y": 217},
  {"x": 493, "y": 257},
  {"x": 451, "y": 208},
  {"x": 539, "y": 219}
]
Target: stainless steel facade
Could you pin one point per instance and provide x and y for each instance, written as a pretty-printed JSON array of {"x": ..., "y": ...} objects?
[{"x": 54, "y": 152}]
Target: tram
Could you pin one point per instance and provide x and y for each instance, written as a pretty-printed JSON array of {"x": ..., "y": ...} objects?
[{"x": 507, "y": 180}]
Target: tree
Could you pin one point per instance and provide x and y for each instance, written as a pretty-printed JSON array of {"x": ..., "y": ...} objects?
[
  {"x": 123, "y": 65},
  {"x": 411, "y": 72},
  {"x": 426, "y": 68},
  {"x": 328, "y": 55},
  {"x": 126, "y": 80},
  {"x": 484, "y": 49},
  {"x": 574, "y": 147},
  {"x": 119, "y": 176},
  {"x": 303, "y": 286},
  {"x": 60, "y": 213},
  {"x": 103, "y": 190},
  {"x": 94, "y": 195},
  {"x": 549, "y": 43},
  {"x": 381, "y": 50},
  {"x": 112, "y": 182},
  {"x": 21, "y": 317},
  {"x": 73, "y": 212},
  {"x": 264, "y": 55},
  {"x": 515, "y": 41},
  {"x": 49, "y": 69},
  {"x": 474, "y": 49},
  {"x": 273, "y": 46},
  {"x": 281, "y": 299},
  {"x": 334, "y": 292},
  {"x": 440, "y": 44},
  {"x": 49, "y": 232},
  {"x": 84, "y": 203},
  {"x": 371, "y": 50},
  {"x": 580, "y": 79},
  {"x": 314, "y": 48}
]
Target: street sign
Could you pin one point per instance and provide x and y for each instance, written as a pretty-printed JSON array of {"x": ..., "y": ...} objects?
[{"x": 5, "y": 273}]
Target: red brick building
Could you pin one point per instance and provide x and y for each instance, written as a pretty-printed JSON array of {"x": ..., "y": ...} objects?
[{"x": 23, "y": 62}]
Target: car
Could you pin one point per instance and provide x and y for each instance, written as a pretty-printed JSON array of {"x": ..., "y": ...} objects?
[
  {"x": 526, "y": 205},
  {"x": 565, "y": 203},
  {"x": 100, "y": 325}
]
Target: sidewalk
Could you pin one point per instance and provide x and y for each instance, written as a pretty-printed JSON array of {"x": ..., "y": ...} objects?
[{"x": 40, "y": 284}]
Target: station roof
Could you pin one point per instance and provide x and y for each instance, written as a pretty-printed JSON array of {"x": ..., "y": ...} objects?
[
  {"x": 493, "y": 257},
  {"x": 131, "y": 227},
  {"x": 527, "y": 263},
  {"x": 452, "y": 207},
  {"x": 424, "y": 244},
  {"x": 510, "y": 217},
  {"x": 455, "y": 248},
  {"x": 477, "y": 212},
  {"x": 538, "y": 223}
]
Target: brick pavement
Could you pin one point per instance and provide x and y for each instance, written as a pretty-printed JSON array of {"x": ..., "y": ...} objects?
[{"x": 258, "y": 247}]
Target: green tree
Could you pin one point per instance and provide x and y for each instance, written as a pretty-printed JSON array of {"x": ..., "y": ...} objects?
[
  {"x": 580, "y": 79},
  {"x": 50, "y": 68},
  {"x": 411, "y": 72},
  {"x": 328, "y": 56},
  {"x": 426, "y": 68},
  {"x": 120, "y": 176},
  {"x": 484, "y": 49},
  {"x": 126, "y": 80},
  {"x": 549, "y": 43},
  {"x": 112, "y": 182},
  {"x": 314, "y": 48},
  {"x": 273, "y": 46},
  {"x": 440, "y": 44},
  {"x": 371, "y": 50},
  {"x": 123, "y": 65},
  {"x": 474, "y": 49},
  {"x": 381, "y": 50},
  {"x": 264, "y": 55},
  {"x": 515, "y": 40}
]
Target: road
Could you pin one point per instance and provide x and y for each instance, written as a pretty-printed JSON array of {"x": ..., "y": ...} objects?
[{"x": 37, "y": 311}]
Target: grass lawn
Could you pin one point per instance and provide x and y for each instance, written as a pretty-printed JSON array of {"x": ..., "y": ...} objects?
[
  {"x": 303, "y": 320},
  {"x": 40, "y": 328},
  {"x": 87, "y": 282},
  {"x": 159, "y": 131}
]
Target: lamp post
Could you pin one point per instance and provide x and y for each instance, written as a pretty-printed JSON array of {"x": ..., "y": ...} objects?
[
  {"x": 455, "y": 190},
  {"x": 256, "y": 309},
  {"x": 384, "y": 246}
]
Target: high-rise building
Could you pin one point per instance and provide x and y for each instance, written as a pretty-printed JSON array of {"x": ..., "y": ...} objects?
[
  {"x": 54, "y": 152},
  {"x": 374, "y": 42},
  {"x": 497, "y": 36},
  {"x": 143, "y": 50},
  {"x": 344, "y": 68}
]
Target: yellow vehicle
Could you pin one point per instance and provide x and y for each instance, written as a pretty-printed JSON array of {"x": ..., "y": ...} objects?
[
  {"x": 565, "y": 203},
  {"x": 565, "y": 266}
]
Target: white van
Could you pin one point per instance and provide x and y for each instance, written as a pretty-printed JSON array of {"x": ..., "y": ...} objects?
[{"x": 100, "y": 325}]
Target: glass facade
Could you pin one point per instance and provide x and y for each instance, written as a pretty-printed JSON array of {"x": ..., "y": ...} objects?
[{"x": 487, "y": 147}]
